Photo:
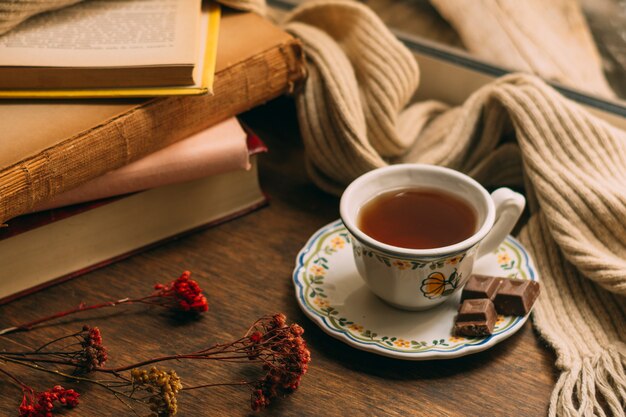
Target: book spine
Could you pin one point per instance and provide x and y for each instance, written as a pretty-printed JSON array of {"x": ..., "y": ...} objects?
[{"x": 148, "y": 127}]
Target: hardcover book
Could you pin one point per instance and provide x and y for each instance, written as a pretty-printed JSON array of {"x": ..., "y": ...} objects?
[
  {"x": 51, "y": 147},
  {"x": 40, "y": 249}
]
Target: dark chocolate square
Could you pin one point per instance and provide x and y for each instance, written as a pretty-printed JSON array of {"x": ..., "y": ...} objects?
[
  {"x": 481, "y": 286},
  {"x": 474, "y": 310},
  {"x": 515, "y": 297},
  {"x": 477, "y": 317}
]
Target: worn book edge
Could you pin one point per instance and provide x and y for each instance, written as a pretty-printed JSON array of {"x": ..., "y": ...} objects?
[{"x": 206, "y": 84}]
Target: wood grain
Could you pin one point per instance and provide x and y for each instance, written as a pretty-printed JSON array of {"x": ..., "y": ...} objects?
[{"x": 245, "y": 266}]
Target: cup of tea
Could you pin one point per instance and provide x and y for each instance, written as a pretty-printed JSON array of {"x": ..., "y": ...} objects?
[{"x": 416, "y": 230}]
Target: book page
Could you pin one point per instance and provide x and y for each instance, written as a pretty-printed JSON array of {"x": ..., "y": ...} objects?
[{"x": 106, "y": 33}]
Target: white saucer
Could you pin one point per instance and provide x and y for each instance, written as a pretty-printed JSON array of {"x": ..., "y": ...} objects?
[{"x": 331, "y": 292}]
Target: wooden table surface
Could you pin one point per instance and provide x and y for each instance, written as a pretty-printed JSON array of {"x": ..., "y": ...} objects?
[{"x": 245, "y": 266}]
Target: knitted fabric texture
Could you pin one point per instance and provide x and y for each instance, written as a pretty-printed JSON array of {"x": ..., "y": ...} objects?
[
  {"x": 354, "y": 117},
  {"x": 550, "y": 38}
]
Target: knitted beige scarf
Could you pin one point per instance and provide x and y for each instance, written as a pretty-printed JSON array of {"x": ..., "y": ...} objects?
[
  {"x": 517, "y": 131},
  {"x": 354, "y": 117}
]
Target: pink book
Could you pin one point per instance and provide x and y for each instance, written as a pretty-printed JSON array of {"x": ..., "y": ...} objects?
[{"x": 221, "y": 148}]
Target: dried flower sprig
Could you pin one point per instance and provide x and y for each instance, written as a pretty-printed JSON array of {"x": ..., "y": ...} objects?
[
  {"x": 161, "y": 385},
  {"x": 157, "y": 391},
  {"x": 285, "y": 359},
  {"x": 278, "y": 347},
  {"x": 84, "y": 353},
  {"x": 182, "y": 295},
  {"x": 42, "y": 404}
]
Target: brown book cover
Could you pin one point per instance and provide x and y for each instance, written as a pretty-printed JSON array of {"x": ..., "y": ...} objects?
[{"x": 51, "y": 147}]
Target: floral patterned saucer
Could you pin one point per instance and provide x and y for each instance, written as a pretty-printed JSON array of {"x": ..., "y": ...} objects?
[{"x": 331, "y": 292}]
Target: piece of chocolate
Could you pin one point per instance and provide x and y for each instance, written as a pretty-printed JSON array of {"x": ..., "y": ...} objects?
[
  {"x": 472, "y": 329},
  {"x": 481, "y": 286},
  {"x": 515, "y": 297},
  {"x": 476, "y": 317}
]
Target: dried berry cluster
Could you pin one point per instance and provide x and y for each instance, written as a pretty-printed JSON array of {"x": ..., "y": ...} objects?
[
  {"x": 93, "y": 354},
  {"x": 277, "y": 346},
  {"x": 41, "y": 404},
  {"x": 184, "y": 294},
  {"x": 162, "y": 388},
  {"x": 285, "y": 358}
]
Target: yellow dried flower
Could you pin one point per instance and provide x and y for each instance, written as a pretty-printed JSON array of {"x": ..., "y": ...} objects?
[{"x": 163, "y": 386}]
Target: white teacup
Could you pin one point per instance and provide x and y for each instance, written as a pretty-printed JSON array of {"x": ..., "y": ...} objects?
[{"x": 418, "y": 279}]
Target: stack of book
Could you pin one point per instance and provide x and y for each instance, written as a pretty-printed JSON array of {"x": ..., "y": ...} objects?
[{"x": 87, "y": 181}]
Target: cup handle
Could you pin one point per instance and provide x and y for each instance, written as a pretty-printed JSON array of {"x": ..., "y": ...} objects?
[{"x": 509, "y": 206}]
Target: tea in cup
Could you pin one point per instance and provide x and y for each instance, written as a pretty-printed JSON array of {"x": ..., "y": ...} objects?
[{"x": 417, "y": 229}]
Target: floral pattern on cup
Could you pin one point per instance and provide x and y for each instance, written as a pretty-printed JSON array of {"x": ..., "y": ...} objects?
[
  {"x": 401, "y": 265},
  {"x": 318, "y": 296},
  {"x": 405, "y": 264},
  {"x": 436, "y": 285},
  {"x": 455, "y": 259}
]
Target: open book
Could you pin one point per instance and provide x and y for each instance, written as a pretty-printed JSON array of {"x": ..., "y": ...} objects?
[{"x": 112, "y": 48}]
